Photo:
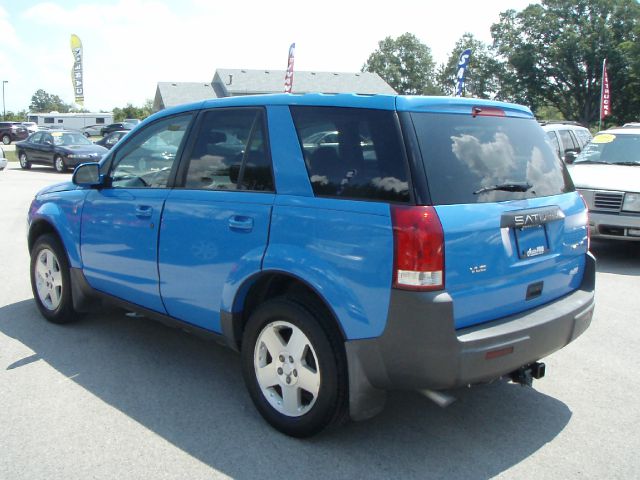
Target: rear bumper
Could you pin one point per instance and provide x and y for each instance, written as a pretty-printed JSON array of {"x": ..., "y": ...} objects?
[
  {"x": 615, "y": 226},
  {"x": 420, "y": 348}
]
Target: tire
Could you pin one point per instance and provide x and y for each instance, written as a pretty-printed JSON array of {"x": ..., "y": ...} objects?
[
  {"x": 6, "y": 139},
  {"x": 294, "y": 367},
  {"x": 50, "y": 280},
  {"x": 58, "y": 164},
  {"x": 25, "y": 164}
]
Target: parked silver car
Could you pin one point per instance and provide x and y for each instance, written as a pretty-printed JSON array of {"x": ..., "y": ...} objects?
[
  {"x": 567, "y": 138},
  {"x": 607, "y": 174}
]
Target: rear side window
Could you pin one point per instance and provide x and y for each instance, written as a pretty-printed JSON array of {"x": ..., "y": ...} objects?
[
  {"x": 352, "y": 153},
  {"x": 487, "y": 159},
  {"x": 554, "y": 141},
  {"x": 230, "y": 152},
  {"x": 567, "y": 140}
]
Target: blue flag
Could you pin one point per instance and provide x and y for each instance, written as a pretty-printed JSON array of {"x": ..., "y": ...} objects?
[{"x": 463, "y": 63}]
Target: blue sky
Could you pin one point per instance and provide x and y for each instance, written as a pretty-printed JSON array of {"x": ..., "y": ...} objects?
[{"x": 130, "y": 45}]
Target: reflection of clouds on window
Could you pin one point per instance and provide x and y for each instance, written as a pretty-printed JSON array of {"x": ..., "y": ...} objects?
[
  {"x": 320, "y": 179},
  {"x": 542, "y": 176},
  {"x": 485, "y": 159},
  {"x": 390, "y": 184}
]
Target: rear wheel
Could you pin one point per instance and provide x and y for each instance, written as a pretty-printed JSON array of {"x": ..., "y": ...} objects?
[
  {"x": 294, "y": 368},
  {"x": 25, "y": 164},
  {"x": 59, "y": 165},
  {"x": 6, "y": 139},
  {"x": 50, "y": 280}
]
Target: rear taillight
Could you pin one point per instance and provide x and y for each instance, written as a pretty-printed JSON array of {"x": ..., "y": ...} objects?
[{"x": 419, "y": 248}]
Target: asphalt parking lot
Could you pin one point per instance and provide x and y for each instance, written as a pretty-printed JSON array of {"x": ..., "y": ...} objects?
[{"x": 119, "y": 397}]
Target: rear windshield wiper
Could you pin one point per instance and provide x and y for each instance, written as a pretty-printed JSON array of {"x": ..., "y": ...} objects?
[
  {"x": 592, "y": 161},
  {"x": 506, "y": 187}
]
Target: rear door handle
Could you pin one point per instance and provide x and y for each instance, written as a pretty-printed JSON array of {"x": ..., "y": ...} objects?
[
  {"x": 238, "y": 222},
  {"x": 144, "y": 211}
]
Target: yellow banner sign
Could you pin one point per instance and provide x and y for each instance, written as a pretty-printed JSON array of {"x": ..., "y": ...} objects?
[{"x": 76, "y": 72}]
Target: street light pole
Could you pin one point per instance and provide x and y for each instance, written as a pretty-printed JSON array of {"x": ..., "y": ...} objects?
[{"x": 4, "y": 108}]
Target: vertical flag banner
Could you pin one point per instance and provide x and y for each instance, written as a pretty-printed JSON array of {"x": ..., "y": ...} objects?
[
  {"x": 463, "y": 63},
  {"x": 605, "y": 96},
  {"x": 76, "y": 71},
  {"x": 288, "y": 78}
]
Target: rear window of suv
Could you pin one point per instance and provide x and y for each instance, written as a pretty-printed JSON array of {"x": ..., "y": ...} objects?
[
  {"x": 353, "y": 153},
  {"x": 467, "y": 157}
]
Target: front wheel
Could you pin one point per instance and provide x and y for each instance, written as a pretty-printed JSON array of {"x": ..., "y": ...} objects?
[
  {"x": 6, "y": 139},
  {"x": 294, "y": 368},
  {"x": 58, "y": 164},
  {"x": 51, "y": 281},
  {"x": 25, "y": 164}
]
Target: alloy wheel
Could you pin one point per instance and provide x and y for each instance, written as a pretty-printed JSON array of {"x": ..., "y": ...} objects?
[
  {"x": 287, "y": 369},
  {"x": 48, "y": 279}
]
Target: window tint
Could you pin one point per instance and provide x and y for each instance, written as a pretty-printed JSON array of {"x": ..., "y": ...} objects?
[
  {"x": 352, "y": 153},
  {"x": 100, "y": 120},
  {"x": 37, "y": 137},
  {"x": 230, "y": 152},
  {"x": 147, "y": 159},
  {"x": 464, "y": 156}
]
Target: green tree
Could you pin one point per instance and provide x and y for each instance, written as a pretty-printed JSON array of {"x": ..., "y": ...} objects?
[
  {"x": 130, "y": 111},
  {"x": 20, "y": 116},
  {"x": 405, "y": 63},
  {"x": 43, "y": 102},
  {"x": 483, "y": 78},
  {"x": 554, "y": 53}
]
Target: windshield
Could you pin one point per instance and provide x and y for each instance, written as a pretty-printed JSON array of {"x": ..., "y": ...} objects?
[
  {"x": 614, "y": 149},
  {"x": 66, "y": 139},
  {"x": 487, "y": 159}
]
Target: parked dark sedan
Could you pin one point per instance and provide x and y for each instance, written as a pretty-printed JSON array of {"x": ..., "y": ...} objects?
[
  {"x": 116, "y": 126},
  {"x": 62, "y": 149},
  {"x": 111, "y": 139}
]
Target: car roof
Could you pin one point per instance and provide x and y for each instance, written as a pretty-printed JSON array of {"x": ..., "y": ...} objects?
[{"x": 380, "y": 102}]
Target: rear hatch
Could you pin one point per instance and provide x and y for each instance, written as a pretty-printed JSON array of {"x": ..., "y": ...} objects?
[{"x": 514, "y": 228}]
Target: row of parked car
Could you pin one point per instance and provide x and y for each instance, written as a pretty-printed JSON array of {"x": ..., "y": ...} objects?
[{"x": 16, "y": 131}]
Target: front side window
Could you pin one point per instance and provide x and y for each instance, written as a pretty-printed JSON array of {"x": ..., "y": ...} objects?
[
  {"x": 352, "y": 153},
  {"x": 147, "y": 159},
  {"x": 230, "y": 152}
]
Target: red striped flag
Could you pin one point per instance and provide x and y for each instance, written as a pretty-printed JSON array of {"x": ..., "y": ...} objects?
[
  {"x": 288, "y": 78},
  {"x": 605, "y": 96}
]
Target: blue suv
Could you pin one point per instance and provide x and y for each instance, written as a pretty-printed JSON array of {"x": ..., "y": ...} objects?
[{"x": 345, "y": 245}]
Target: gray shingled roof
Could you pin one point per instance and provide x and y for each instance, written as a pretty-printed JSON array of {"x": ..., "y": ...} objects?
[
  {"x": 248, "y": 82},
  {"x": 170, "y": 94}
]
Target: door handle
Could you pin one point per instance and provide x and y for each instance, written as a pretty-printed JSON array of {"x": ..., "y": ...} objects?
[
  {"x": 144, "y": 211},
  {"x": 238, "y": 222}
]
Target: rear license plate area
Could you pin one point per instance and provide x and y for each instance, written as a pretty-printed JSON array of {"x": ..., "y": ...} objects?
[{"x": 531, "y": 241}]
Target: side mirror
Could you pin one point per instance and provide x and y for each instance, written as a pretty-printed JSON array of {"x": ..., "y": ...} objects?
[
  {"x": 570, "y": 155},
  {"x": 87, "y": 175}
]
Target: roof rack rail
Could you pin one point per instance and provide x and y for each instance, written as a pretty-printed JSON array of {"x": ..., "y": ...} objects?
[{"x": 559, "y": 122}]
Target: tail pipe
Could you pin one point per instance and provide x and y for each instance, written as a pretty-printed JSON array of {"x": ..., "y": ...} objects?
[{"x": 525, "y": 375}]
